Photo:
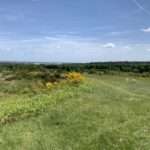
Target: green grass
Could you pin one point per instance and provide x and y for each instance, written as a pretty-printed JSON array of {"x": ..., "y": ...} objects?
[
  {"x": 17, "y": 106},
  {"x": 115, "y": 115}
]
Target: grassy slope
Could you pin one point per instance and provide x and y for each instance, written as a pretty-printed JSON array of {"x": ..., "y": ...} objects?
[{"x": 115, "y": 115}]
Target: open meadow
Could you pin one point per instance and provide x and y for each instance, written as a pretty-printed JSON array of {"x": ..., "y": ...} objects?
[{"x": 104, "y": 112}]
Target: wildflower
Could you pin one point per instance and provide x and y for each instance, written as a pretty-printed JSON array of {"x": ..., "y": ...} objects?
[{"x": 49, "y": 85}]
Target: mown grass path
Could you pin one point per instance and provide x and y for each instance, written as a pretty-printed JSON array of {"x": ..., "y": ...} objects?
[{"x": 114, "y": 115}]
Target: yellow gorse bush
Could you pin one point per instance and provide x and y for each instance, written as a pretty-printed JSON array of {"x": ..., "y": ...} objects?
[
  {"x": 49, "y": 85},
  {"x": 71, "y": 78},
  {"x": 74, "y": 77},
  {"x": 34, "y": 73},
  {"x": 63, "y": 82}
]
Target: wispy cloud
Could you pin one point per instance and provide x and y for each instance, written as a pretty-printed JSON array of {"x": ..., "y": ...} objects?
[
  {"x": 58, "y": 48},
  {"x": 12, "y": 17},
  {"x": 9, "y": 17},
  {"x": 141, "y": 7},
  {"x": 147, "y": 30},
  {"x": 126, "y": 47},
  {"x": 6, "y": 49},
  {"x": 115, "y": 33},
  {"x": 96, "y": 28},
  {"x": 69, "y": 49},
  {"x": 109, "y": 45},
  {"x": 148, "y": 50}
]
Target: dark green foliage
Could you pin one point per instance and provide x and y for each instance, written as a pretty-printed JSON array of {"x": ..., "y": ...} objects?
[
  {"x": 57, "y": 75},
  {"x": 95, "y": 67}
]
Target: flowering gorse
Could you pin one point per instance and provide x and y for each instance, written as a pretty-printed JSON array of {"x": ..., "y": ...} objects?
[
  {"x": 71, "y": 78},
  {"x": 74, "y": 77},
  {"x": 49, "y": 85},
  {"x": 35, "y": 73}
]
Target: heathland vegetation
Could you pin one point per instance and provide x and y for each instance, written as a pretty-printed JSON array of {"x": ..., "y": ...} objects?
[{"x": 75, "y": 106}]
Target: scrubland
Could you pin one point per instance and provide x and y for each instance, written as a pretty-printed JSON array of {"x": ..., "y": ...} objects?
[{"x": 55, "y": 110}]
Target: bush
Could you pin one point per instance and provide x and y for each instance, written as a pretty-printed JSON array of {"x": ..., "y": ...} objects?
[
  {"x": 75, "y": 77},
  {"x": 49, "y": 85},
  {"x": 57, "y": 75},
  {"x": 71, "y": 78}
]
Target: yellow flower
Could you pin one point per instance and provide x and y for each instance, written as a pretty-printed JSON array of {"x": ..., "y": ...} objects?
[
  {"x": 75, "y": 77},
  {"x": 49, "y": 85}
]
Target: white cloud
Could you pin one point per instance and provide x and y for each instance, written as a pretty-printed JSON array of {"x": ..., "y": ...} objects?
[
  {"x": 126, "y": 47},
  {"x": 148, "y": 50},
  {"x": 138, "y": 44},
  {"x": 147, "y": 30},
  {"x": 114, "y": 33},
  {"x": 12, "y": 17},
  {"x": 119, "y": 32},
  {"x": 100, "y": 27},
  {"x": 68, "y": 49},
  {"x": 6, "y": 50},
  {"x": 109, "y": 45},
  {"x": 58, "y": 47}
]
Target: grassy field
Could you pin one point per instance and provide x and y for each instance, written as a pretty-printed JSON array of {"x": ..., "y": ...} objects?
[{"x": 114, "y": 115}]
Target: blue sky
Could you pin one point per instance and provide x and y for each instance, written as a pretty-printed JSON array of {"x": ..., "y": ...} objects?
[{"x": 74, "y": 30}]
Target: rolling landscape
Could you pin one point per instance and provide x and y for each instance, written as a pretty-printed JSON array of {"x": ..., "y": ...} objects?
[{"x": 74, "y": 75}]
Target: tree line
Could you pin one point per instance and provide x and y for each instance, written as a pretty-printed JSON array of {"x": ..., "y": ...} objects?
[{"x": 102, "y": 67}]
